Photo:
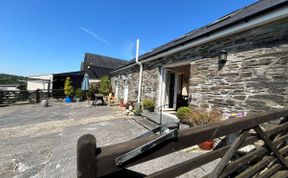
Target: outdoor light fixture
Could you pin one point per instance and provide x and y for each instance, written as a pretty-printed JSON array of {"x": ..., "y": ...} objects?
[
  {"x": 222, "y": 59},
  {"x": 88, "y": 66},
  {"x": 223, "y": 56}
]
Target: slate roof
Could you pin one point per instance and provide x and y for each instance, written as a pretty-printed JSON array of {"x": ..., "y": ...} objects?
[
  {"x": 103, "y": 61},
  {"x": 75, "y": 73},
  {"x": 238, "y": 16},
  {"x": 100, "y": 65},
  {"x": 97, "y": 72}
]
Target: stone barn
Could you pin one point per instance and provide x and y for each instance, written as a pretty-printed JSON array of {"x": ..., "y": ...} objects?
[{"x": 239, "y": 63}]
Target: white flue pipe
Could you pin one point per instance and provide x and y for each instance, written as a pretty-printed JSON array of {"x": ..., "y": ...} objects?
[{"x": 140, "y": 72}]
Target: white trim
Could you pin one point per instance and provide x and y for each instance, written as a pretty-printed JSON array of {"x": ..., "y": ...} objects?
[
  {"x": 164, "y": 88},
  {"x": 264, "y": 19},
  {"x": 175, "y": 89},
  {"x": 126, "y": 93},
  {"x": 160, "y": 87}
]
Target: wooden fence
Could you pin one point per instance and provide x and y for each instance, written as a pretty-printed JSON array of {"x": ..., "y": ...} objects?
[
  {"x": 268, "y": 130},
  {"x": 12, "y": 96}
]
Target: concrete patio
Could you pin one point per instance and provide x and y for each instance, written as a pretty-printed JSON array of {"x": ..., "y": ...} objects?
[{"x": 41, "y": 142}]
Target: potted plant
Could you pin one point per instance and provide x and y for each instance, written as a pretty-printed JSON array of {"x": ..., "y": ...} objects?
[
  {"x": 181, "y": 114},
  {"x": 148, "y": 105},
  {"x": 122, "y": 102},
  {"x": 90, "y": 94},
  {"x": 197, "y": 118},
  {"x": 68, "y": 90},
  {"x": 79, "y": 94}
]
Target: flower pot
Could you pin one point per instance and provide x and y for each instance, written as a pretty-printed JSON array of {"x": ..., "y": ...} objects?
[
  {"x": 44, "y": 103},
  {"x": 122, "y": 103},
  {"x": 68, "y": 99},
  {"x": 207, "y": 145}
]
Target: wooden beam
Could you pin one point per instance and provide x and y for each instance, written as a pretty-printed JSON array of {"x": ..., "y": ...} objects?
[
  {"x": 260, "y": 165},
  {"x": 193, "y": 163},
  {"x": 231, "y": 151},
  {"x": 186, "y": 137},
  {"x": 271, "y": 146}
]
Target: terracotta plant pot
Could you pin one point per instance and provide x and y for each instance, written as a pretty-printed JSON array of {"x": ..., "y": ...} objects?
[
  {"x": 207, "y": 145},
  {"x": 122, "y": 103}
]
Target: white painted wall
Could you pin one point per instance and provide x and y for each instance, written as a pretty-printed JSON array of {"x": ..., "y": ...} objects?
[{"x": 40, "y": 82}]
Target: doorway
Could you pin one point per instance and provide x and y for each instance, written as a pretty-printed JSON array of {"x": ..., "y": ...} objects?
[{"x": 175, "y": 86}]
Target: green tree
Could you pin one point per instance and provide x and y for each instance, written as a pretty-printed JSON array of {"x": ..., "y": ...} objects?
[
  {"x": 104, "y": 85},
  {"x": 68, "y": 89}
]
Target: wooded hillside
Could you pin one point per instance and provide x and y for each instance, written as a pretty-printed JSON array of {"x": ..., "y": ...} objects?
[{"x": 7, "y": 79}]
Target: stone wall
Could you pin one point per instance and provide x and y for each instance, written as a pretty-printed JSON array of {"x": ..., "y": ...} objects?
[
  {"x": 150, "y": 83},
  {"x": 254, "y": 77}
]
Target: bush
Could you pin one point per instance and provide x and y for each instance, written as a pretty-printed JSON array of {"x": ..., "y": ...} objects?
[
  {"x": 79, "y": 93},
  {"x": 148, "y": 105},
  {"x": 104, "y": 85},
  {"x": 90, "y": 93},
  {"x": 137, "y": 112},
  {"x": 181, "y": 113},
  {"x": 196, "y": 118}
]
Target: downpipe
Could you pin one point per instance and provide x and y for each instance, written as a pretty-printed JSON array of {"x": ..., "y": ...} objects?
[{"x": 140, "y": 72}]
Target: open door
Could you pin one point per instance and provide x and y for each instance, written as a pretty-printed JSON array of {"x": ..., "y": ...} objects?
[{"x": 170, "y": 89}]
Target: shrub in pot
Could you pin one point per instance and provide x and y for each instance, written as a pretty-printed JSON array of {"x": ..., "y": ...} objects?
[
  {"x": 90, "y": 94},
  {"x": 182, "y": 114},
  {"x": 197, "y": 118},
  {"x": 79, "y": 94},
  {"x": 68, "y": 90},
  {"x": 148, "y": 105}
]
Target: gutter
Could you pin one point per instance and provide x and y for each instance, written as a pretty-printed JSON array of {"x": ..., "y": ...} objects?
[
  {"x": 247, "y": 24},
  {"x": 140, "y": 72}
]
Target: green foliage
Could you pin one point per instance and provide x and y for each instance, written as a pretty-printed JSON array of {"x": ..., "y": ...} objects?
[
  {"x": 68, "y": 89},
  {"x": 181, "y": 113},
  {"x": 6, "y": 79},
  {"x": 196, "y": 118},
  {"x": 79, "y": 93},
  {"x": 104, "y": 85},
  {"x": 148, "y": 105},
  {"x": 90, "y": 93},
  {"x": 137, "y": 112}
]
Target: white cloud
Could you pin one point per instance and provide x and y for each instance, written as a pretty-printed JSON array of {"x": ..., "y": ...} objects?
[
  {"x": 94, "y": 35},
  {"x": 128, "y": 50}
]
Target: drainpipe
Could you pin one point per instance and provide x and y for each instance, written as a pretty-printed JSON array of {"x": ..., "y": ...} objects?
[{"x": 140, "y": 72}]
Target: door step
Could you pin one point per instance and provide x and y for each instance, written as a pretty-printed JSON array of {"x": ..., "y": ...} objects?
[{"x": 146, "y": 123}]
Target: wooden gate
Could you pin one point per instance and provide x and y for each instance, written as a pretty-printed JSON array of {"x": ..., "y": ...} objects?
[{"x": 269, "y": 159}]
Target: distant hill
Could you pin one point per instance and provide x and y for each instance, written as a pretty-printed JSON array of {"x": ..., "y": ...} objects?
[{"x": 7, "y": 79}]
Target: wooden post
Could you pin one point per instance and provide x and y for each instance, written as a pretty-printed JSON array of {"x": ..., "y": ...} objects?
[
  {"x": 37, "y": 96},
  {"x": 86, "y": 156},
  {"x": 1, "y": 97}
]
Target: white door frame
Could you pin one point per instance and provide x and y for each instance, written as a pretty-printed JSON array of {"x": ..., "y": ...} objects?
[
  {"x": 164, "y": 89},
  {"x": 125, "y": 94},
  {"x": 162, "y": 86},
  {"x": 117, "y": 91}
]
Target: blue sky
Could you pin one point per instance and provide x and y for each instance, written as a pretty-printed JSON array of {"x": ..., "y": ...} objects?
[{"x": 52, "y": 36}]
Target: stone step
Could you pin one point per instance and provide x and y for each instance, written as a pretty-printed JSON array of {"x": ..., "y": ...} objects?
[{"x": 146, "y": 122}]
